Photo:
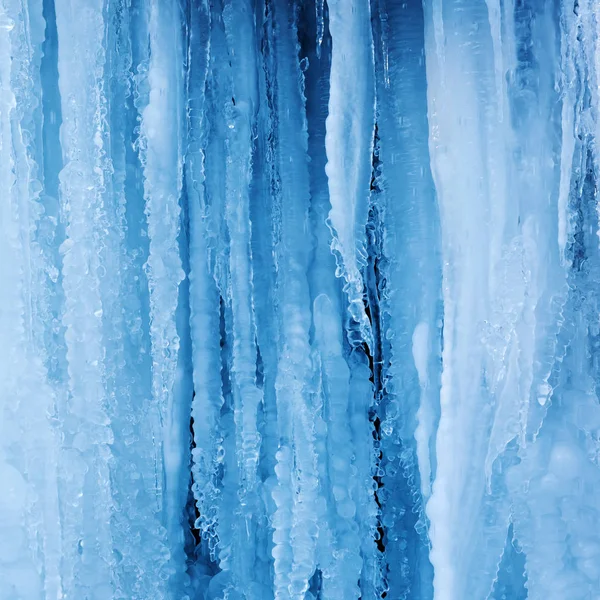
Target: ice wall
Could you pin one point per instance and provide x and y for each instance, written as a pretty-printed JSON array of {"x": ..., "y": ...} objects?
[{"x": 299, "y": 300}]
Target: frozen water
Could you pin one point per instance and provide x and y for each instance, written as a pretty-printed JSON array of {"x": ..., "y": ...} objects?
[{"x": 299, "y": 300}]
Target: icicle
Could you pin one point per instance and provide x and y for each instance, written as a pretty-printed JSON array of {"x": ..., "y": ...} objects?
[
  {"x": 30, "y": 525},
  {"x": 240, "y": 121},
  {"x": 403, "y": 208},
  {"x": 469, "y": 142},
  {"x": 204, "y": 297},
  {"x": 509, "y": 262},
  {"x": 219, "y": 446},
  {"x": 265, "y": 224},
  {"x": 237, "y": 104},
  {"x": 359, "y": 404},
  {"x": 341, "y": 582},
  {"x": 162, "y": 185},
  {"x": 551, "y": 519},
  {"x": 84, "y": 479},
  {"x": 511, "y": 331},
  {"x": 295, "y": 495},
  {"x": 541, "y": 195},
  {"x": 161, "y": 158},
  {"x": 349, "y": 147},
  {"x": 343, "y": 394},
  {"x": 140, "y": 543},
  {"x": 389, "y": 216}
]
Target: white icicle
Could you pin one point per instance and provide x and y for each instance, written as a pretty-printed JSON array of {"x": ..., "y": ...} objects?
[
  {"x": 247, "y": 396},
  {"x": 349, "y": 143},
  {"x": 85, "y": 480},
  {"x": 162, "y": 165},
  {"x": 296, "y": 492},
  {"x": 29, "y": 522},
  {"x": 340, "y": 583}
]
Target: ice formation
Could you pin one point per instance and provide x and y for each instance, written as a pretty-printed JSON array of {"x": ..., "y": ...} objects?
[{"x": 299, "y": 300}]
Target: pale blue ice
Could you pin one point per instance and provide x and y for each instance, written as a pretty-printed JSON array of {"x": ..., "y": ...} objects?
[{"x": 299, "y": 300}]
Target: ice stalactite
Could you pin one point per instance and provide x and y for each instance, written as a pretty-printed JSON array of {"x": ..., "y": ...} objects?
[
  {"x": 84, "y": 476},
  {"x": 299, "y": 299},
  {"x": 523, "y": 184},
  {"x": 348, "y": 143},
  {"x": 161, "y": 158},
  {"x": 295, "y": 494},
  {"x": 407, "y": 276},
  {"x": 30, "y": 509}
]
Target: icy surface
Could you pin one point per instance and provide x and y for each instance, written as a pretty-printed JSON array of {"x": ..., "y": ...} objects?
[{"x": 299, "y": 300}]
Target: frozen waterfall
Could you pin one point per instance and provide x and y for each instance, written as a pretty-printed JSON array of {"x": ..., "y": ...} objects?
[{"x": 299, "y": 300}]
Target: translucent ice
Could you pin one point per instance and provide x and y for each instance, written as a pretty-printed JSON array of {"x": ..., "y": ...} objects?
[{"x": 299, "y": 300}]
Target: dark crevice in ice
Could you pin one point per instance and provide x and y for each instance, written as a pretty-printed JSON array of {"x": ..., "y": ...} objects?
[
  {"x": 372, "y": 277},
  {"x": 315, "y": 584}
]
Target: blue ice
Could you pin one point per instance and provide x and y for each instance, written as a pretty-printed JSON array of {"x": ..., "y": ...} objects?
[{"x": 299, "y": 300}]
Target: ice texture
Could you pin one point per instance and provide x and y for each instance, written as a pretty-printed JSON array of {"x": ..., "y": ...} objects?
[{"x": 299, "y": 300}]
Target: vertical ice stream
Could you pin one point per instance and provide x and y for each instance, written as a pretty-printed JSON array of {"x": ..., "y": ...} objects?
[
  {"x": 348, "y": 143},
  {"x": 161, "y": 156},
  {"x": 84, "y": 481},
  {"x": 299, "y": 299},
  {"x": 29, "y": 509}
]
